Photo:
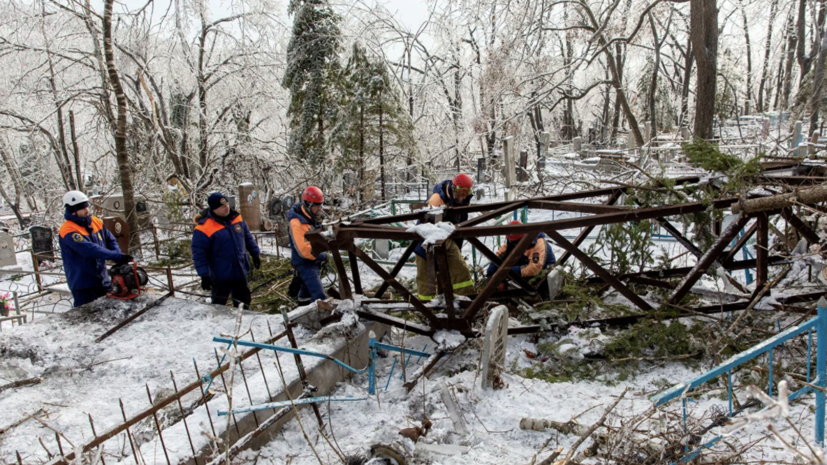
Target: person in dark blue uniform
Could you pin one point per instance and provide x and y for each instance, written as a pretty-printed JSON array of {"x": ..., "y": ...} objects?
[
  {"x": 536, "y": 262},
  {"x": 85, "y": 245},
  {"x": 302, "y": 218},
  {"x": 220, "y": 244}
]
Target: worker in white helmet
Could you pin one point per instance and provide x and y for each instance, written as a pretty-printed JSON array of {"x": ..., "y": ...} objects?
[{"x": 85, "y": 245}]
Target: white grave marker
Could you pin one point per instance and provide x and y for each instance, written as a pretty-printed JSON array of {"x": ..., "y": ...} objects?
[
  {"x": 7, "y": 255},
  {"x": 555, "y": 282},
  {"x": 494, "y": 345}
]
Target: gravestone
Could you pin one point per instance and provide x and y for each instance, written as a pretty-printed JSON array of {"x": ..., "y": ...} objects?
[
  {"x": 479, "y": 193},
  {"x": 797, "y": 137},
  {"x": 287, "y": 203},
  {"x": 508, "y": 166},
  {"x": 631, "y": 142},
  {"x": 382, "y": 247},
  {"x": 120, "y": 229},
  {"x": 555, "y": 282},
  {"x": 275, "y": 208},
  {"x": 577, "y": 144},
  {"x": 481, "y": 169},
  {"x": 685, "y": 133},
  {"x": 544, "y": 138},
  {"x": 42, "y": 243},
  {"x": 231, "y": 201},
  {"x": 814, "y": 142},
  {"x": 522, "y": 174},
  {"x": 493, "y": 348},
  {"x": 250, "y": 208},
  {"x": 647, "y": 131},
  {"x": 7, "y": 255},
  {"x": 765, "y": 128}
]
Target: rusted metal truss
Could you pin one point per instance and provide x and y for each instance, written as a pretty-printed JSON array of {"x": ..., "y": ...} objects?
[{"x": 602, "y": 209}]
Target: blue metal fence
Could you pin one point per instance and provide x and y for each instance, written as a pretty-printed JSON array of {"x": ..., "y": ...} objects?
[{"x": 819, "y": 324}]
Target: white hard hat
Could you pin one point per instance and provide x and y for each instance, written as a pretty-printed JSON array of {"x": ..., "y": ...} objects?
[{"x": 73, "y": 198}]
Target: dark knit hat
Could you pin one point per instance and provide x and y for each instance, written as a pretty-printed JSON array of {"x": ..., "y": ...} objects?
[
  {"x": 74, "y": 208},
  {"x": 217, "y": 200}
]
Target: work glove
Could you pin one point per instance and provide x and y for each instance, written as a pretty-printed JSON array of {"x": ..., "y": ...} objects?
[
  {"x": 257, "y": 261},
  {"x": 125, "y": 258},
  {"x": 321, "y": 258},
  {"x": 206, "y": 283}
]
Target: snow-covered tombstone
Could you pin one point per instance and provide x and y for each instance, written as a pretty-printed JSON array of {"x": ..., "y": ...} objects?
[
  {"x": 495, "y": 341},
  {"x": 7, "y": 255}
]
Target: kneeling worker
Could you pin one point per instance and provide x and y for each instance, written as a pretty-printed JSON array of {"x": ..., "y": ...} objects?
[
  {"x": 452, "y": 193},
  {"x": 220, "y": 244},
  {"x": 85, "y": 245},
  {"x": 303, "y": 218},
  {"x": 535, "y": 263}
]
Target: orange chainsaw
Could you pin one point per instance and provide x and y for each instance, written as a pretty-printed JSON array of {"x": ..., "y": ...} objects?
[{"x": 127, "y": 281}]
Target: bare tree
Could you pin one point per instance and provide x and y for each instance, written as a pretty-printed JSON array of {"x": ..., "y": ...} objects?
[
  {"x": 120, "y": 132},
  {"x": 704, "y": 36}
]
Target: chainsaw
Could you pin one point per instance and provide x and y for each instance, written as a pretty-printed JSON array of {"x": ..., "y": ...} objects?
[{"x": 127, "y": 281}]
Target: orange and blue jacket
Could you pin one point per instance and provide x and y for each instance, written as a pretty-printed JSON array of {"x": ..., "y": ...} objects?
[
  {"x": 220, "y": 246},
  {"x": 535, "y": 259},
  {"x": 299, "y": 223},
  {"x": 85, "y": 245}
]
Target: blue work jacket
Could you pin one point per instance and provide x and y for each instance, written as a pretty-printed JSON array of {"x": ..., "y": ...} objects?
[
  {"x": 220, "y": 246},
  {"x": 85, "y": 245}
]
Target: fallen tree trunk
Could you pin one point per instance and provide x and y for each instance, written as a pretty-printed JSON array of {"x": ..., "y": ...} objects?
[{"x": 774, "y": 202}]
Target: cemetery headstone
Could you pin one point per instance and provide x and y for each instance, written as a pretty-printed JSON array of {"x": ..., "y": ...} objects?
[
  {"x": 555, "y": 282},
  {"x": 481, "y": 169},
  {"x": 814, "y": 142},
  {"x": 479, "y": 193},
  {"x": 250, "y": 207},
  {"x": 685, "y": 133},
  {"x": 276, "y": 207},
  {"x": 382, "y": 247},
  {"x": 493, "y": 348},
  {"x": 647, "y": 131},
  {"x": 631, "y": 142},
  {"x": 522, "y": 174},
  {"x": 287, "y": 203},
  {"x": 7, "y": 254},
  {"x": 42, "y": 243},
  {"x": 765, "y": 127},
  {"x": 231, "y": 201},
  {"x": 120, "y": 229},
  {"x": 508, "y": 166},
  {"x": 544, "y": 139},
  {"x": 577, "y": 144}
]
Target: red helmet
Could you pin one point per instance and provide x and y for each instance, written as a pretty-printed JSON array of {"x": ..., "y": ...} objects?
[
  {"x": 313, "y": 195},
  {"x": 462, "y": 180},
  {"x": 514, "y": 237}
]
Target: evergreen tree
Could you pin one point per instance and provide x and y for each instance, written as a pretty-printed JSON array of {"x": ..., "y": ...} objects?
[
  {"x": 311, "y": 63},
  {"x": 370, "y": 121}
]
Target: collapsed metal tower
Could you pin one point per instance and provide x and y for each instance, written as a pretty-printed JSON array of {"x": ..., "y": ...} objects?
[{"x": 756, "y": 214}]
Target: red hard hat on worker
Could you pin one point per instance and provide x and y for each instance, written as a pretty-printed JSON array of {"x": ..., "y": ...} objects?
[
  {"x": 313, "y": 195},
  {"x": 462, "y": 180},
  {"x": 514, "y": 237}
]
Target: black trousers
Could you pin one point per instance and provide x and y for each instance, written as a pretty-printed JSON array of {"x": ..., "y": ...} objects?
[
  {"x": 84, "y": 296},
  {"x": 239, "y": 290}
]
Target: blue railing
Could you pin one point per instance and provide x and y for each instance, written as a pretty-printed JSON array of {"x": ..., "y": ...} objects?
[{"x": 819, "y": 324}]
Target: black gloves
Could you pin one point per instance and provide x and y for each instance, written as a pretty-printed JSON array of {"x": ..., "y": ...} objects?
[
  {"x": 257, "y": 261},
  {"x": 125, "y": 258},
  {"x": 206, "y": 283}
]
